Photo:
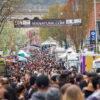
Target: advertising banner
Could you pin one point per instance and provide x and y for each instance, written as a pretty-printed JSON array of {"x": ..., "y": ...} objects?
[
  {"x": 90, "y": 62},
  {"x": 22, "y": 23},
  {"x": 92, "y": 39}
]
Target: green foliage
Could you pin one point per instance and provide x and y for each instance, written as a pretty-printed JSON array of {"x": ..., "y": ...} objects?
[
  {"x": 83, "y": 10},
  {"x": 98, "y": 0},
  {"x": 7, "y": 7},
  {"x": 18, "y": 37},
  {"x": 54, "y": 32}
]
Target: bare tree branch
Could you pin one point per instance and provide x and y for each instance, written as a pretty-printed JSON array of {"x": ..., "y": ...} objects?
[{"x": 6, "y": 10}]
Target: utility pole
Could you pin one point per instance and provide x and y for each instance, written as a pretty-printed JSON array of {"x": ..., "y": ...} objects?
[{"x": 95, "y": 22}]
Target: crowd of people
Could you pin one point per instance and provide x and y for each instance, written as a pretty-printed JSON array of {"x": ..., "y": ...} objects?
[{"x": 42, "y": 77}]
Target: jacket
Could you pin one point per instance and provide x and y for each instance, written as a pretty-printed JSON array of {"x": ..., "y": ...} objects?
[{"x": 39, "y": 96}]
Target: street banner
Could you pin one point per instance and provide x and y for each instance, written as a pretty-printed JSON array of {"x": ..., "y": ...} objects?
[
  {"x": 36, "y": 38},
  {"x": 92, "y": 39},
  {"x": 10, "y": 41},
  {"x": 22, "y": 23}
]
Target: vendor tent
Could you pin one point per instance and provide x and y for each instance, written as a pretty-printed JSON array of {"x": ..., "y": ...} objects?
[
  {"x": 70, "y": 54},
  {"x": 63, "y": 56},
  {"x": 96, "y": 63},
  {"x": 72, "y": 57},
  {"x": 22, "y": 59},
  {"x": 70, "y": 50},
  {"x": 49, "y": 41},
  {"x": 22, "y": 53},
  {"x": 60, "y": 49}
]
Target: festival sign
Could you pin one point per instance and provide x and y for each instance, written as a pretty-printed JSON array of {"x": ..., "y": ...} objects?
[{"x": 22, "y": 23}]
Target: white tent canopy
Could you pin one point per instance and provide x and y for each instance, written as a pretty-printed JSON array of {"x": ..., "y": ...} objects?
[
  {"x": 49, "y": 41},
  {"x": 22, "y": 59},
  {"x": 23, "y": 52},
  {"x": 70, "y": 54},
  {"x": 59, "y": 49},
  {"x": 63, "y": 56},
  {"x": 73, "y": 57},
  {"x": 96, "y": 63},
  {"x": 70, "y": 50}
]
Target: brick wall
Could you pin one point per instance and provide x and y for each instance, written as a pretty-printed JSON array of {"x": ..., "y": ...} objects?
[
  {"x": 98, "y": 11},
  {"x": 92, "y": 24}
]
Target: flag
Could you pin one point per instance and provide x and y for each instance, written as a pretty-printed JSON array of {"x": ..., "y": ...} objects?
[
  {"x": 36, "y": 38},
  {"x": 28, "y": 44},
  {"x": 10, "y": 41},
  {"x": 29, "y": 35}
]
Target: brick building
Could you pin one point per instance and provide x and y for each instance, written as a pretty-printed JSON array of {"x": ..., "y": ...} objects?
[
  {"x": 92, "y": 26},
  {"x": 98, "y": 19}
]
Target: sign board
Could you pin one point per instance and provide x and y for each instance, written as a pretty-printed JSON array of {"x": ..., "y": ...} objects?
[
  {"x": 22, "y": 23},
  {"x": 92, "y": 39}
]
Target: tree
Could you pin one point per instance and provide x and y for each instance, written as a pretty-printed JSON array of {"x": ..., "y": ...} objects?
[
  {"x": 97, "y": 0},
  {"x": 54, "y": 32},
  {"x": 81, "y": 9},
  {"x": 18, "y": 36},
  {"x": 7, "y": 7}
]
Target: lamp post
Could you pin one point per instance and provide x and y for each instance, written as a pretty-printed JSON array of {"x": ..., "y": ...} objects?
[{"x": 95, "y": 22}]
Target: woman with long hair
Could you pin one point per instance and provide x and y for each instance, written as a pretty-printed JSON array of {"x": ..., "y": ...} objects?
[{"x": 73, "y": 93}]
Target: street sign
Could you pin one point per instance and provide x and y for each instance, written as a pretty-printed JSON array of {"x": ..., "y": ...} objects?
[
  {"x": 20, "y": 23},
  {"x": 92, "y": 39}
]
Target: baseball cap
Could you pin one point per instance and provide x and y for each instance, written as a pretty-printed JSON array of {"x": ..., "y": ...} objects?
[{"x": 42, "y": 81}]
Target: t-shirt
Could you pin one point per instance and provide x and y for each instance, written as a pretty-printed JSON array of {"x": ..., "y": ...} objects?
[
  {"x": 94, "y": 96},
  {"x": 87, "y": 93}
]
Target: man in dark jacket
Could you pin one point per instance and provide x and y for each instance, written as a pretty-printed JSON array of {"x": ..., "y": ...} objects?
[
  {"x": 42, "y": 83},
  {"x": 32, "y": 89}
]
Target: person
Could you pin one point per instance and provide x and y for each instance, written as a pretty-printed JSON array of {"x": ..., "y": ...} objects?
[
  {"x": 20, "y": 91},
  {"x": 27, "y": 80},
  {"x": 11, "y": 92},
  {"x": 64, "y": 88},
  {"x": 42, "y": 83},
  {"x": 80, "y": 81},
  {"x": 73, "y": 93},
  {"x": 53, "y": 94},
  {"x": 62, "y": 79},
  {"x": 89, "y": 89},
  {"x": 96, "y": 86},
  {"x": 32, "y": 89},
  {"x": 2, "y": 91}
]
